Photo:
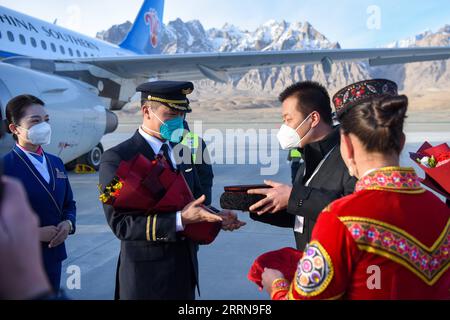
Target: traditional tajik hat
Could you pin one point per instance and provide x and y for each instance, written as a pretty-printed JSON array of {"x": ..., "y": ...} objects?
[{"x": 362, "y": 91}]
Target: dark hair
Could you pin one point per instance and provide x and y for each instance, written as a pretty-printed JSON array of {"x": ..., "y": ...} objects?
[
  {"x": 311, "y": 96},
  {"x": 16, "y": 108},
  {"x": 377, "y": 122}
]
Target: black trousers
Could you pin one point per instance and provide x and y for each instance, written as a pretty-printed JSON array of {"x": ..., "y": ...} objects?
[
  {"x": 54, "y": 275},
  {"x": 167, "y": 277}
]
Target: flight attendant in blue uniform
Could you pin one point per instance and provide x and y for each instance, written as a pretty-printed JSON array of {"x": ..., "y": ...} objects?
[{"x": 44, "y": 177}]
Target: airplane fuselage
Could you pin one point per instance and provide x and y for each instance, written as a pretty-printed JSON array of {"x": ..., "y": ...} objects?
[
  {"x": 77, "y": 115},
  {"x": 23, "y": 35}
]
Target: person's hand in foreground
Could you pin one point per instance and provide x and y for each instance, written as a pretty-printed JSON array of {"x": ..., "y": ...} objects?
[{"x": 22, "y": 274}]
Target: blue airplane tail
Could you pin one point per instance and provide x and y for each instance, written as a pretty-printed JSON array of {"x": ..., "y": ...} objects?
[{"x": 144, "y": 36}]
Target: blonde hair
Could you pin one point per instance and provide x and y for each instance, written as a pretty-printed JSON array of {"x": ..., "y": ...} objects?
[{"x": 150, "y": 104}]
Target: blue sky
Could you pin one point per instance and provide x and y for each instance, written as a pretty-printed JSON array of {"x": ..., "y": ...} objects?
[{"x": 355, "y": 24}]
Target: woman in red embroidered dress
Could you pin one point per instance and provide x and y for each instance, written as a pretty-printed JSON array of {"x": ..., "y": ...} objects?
[{"x": 388, "y": 240}]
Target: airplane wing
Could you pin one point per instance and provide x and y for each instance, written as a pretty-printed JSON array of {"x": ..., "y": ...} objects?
[{"x": 216, "y": 66}]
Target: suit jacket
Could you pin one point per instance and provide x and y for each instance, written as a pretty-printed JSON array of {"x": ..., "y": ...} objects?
[
  {"x": 332, "y": 181},
  {"x": 205, "y": 171},
  {"x": 52, "y": 202},
  {"x": 155, "y": 261}
]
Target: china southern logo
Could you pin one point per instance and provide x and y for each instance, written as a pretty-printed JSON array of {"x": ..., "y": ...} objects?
[{"x": 151, "y": 19}]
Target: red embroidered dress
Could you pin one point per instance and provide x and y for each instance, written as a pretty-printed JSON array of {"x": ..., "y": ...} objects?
[{"x": 388, "y": 240}]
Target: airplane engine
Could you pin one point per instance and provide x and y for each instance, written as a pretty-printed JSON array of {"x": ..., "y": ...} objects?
[{"x": 78, "y": 116}]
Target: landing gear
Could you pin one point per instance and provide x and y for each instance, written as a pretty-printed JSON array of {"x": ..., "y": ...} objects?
[{"x": 91, "y": 159}]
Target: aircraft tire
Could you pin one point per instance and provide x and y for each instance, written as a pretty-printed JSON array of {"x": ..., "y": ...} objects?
[{"x": 93, "y": 157}]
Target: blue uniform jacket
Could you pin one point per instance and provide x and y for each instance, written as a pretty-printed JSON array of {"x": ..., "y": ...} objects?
[{"x": 52, "y": 202}]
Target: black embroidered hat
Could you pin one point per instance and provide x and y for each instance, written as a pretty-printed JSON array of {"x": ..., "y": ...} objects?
[
  {"x": 361, "y": 91},
  {"x": 172, "y": 94}
]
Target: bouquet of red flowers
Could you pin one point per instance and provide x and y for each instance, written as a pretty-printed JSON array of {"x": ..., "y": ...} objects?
[
  {"x": 152, "y": 187},
  {"x": 435, "y": 161},
  {"x": 284, "y": 260}
]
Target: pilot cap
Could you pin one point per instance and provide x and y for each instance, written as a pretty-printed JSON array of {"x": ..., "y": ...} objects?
[{"x": 172, "y": 94}]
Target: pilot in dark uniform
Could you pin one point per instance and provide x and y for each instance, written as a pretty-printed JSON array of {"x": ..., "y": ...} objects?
[
  {"x": 45, "y": 180},
  {"x": 156, "y": 261}
]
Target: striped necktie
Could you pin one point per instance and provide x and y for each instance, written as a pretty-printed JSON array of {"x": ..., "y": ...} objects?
[{"x": 165, "y": 153}]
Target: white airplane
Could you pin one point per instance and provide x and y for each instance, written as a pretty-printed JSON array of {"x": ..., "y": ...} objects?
[{"x": 82, "y": 79}]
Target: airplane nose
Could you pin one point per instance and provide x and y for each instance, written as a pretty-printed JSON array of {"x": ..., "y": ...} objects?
[{"x": 112, "y": 122}]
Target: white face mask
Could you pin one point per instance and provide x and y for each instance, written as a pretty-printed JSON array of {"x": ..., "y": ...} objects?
[
  {"x": 39, "y": 134},
  {"x": 289, "y": 138}
]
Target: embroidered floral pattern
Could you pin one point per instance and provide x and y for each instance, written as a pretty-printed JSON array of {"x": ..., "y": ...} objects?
[
  {"x": 314, "y": 271},
  {"x": 362, "y": 90},
  {"x": 391, "y": 179},
  {"x": 377, "y": 237}
]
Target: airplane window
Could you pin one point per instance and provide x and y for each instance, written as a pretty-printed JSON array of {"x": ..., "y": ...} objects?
[
  {"x": 10, "y": 36},
  {"x": 33, "y": 42},
  {"x": 71, "y": 52},
  {"x": 85, "y": 55},
  {"x": 22, "y": 39},
  {"x": 52, "y": 45},
  {"x": 79, "y": 53},
  {"x": 61, "y": 48},
  {"x": 43, "y": 45}
]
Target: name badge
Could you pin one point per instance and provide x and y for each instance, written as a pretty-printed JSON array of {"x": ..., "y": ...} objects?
[
  {"x": 299, "y": 224},
  {"x": 60, "y": 174}
]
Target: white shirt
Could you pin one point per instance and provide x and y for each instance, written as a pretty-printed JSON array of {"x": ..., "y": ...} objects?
[
  {"x": 40, "y": 167},
  {"x": 156, "y": 146}
]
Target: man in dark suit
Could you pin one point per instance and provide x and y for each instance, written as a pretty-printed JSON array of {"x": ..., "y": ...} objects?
[
  {"x": 156, "y": 261},
  {"x": 321, "y": 178}
]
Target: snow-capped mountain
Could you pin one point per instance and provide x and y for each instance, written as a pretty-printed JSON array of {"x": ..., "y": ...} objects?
[
  {"x": 180, "y": 37},
  {"x": 426, "y": 38},
  {"x": 116, "y": 33},
  {"x": 422, "y": 77},
  {"x": 189, "y": 37},
  {"x": 183, "y": 37},
  {"x": 272, "y": 35}
]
